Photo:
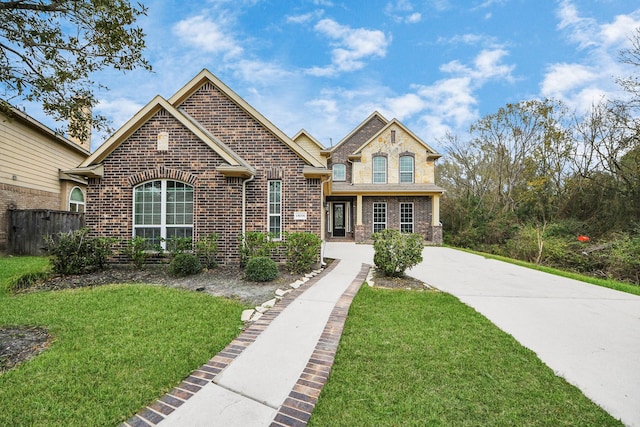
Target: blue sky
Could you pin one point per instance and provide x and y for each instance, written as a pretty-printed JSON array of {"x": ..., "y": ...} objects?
[{"x": 325, "y": 65}]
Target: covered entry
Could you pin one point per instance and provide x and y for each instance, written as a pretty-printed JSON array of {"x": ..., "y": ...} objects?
[{"x": 339, "y": 218}]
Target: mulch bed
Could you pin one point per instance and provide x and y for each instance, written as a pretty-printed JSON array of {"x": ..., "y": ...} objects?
[{"x": 19, "y": 344}]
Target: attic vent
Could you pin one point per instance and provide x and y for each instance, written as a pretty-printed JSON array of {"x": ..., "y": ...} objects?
[
  {"x": 163, "y": 141},
  {"x": 393, "y": 136}
]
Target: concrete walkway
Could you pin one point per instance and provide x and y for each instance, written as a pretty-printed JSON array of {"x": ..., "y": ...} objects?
[
  {"x": 272, "y": 374},
  {"x": 587, "y": 334}
]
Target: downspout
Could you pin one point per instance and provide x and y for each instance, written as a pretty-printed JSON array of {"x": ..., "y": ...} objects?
[{"x": 244, "y": 204}]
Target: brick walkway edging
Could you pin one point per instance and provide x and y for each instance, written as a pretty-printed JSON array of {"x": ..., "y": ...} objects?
[
  {"x": 306, "y": 390},
  {"x": 299, "y": 405}
]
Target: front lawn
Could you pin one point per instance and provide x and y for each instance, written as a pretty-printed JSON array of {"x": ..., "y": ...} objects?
[
  {"x": 115, "y": 349},
  {"x": 411, "y": 358}
]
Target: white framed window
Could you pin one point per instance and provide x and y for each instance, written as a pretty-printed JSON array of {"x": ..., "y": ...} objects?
[
  {"x": 162, "y": 210},
  {"x": 406, "y": 169},
  {"x": 275, "y": 209},
  {"x": 76, "y": 200},
  {"x": 379, "y": 170},
  {"x": 339, "y": 172},
  {"x": 379, "y": 216},
  {"x": 406, "y": 217}
]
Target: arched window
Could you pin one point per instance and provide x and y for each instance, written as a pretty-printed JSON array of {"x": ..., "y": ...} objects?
[
  {"x": 379, "y": 170},
  {"x": 163, "y": 210},
  {"x": 406, "y": 169},
  {"x": 339, "y": 172},
  {"x": 76, "y": 200}
]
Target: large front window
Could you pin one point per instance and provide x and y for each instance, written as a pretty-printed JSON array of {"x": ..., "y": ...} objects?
[
  {"x": 379, "y": 217},
  {"x": 379, "y": 170},
  {"x": 275, "y": 209},
  {"x": 163, "y": 210},
  {"x": 406, "y": 169}
]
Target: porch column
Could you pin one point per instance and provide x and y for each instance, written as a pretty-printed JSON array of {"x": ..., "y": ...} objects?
[
  {"x": 435, "y": 210},
  {"x": 359, "y": 209}
]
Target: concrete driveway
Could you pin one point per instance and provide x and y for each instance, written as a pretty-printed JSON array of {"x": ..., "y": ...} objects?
[{"x": 587, "y": 334}]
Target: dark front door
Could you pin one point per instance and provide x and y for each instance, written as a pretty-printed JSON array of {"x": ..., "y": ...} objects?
[{"x": 338, "y": 220}]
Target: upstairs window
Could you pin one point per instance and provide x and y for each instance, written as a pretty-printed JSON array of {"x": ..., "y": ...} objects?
[
  {"x": 163, "y": 210},
  {"x": 76, "y": 200},
  {"x": 339, "y": 172},
  {"x": 379, "y": 170},
  {"x": 406, "y": 169}
]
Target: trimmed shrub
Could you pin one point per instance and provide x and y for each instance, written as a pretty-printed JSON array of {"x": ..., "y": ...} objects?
[
  {"x": 302, "y": 251},
  {"x": 207, "y": 248},
  {"x": 395, "y": 252},
  {"x": 77, "y": 253},
  {"x": 138, "y": 250},
  {"x": 255, "y": 244},
  {"x": 261, "y": 269},
  {"x": 178, "y": 245},
  {"x": 184, "y": 264}
]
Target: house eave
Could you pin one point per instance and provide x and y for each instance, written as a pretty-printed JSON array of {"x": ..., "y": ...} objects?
[
  {"x": 65, "y": 176},
  {"x": 345, "y": 189},
  {"x": 93, "y": 171},
  {"x": 234, "y": 171},
  {"x": 313, "y": 172}
]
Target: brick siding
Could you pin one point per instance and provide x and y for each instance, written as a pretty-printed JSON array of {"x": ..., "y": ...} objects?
[{"x": 217, "y": 199}]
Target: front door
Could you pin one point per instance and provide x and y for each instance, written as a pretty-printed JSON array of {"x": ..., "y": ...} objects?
[{"x": 338, "y": 220}]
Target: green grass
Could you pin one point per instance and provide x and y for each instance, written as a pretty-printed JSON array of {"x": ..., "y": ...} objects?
[
  {"x": 115, "y": 349},
  {"x": 424, "y": 358},
  {"x": 605, "y": 283},
  {"x": 11, "y": 267}
]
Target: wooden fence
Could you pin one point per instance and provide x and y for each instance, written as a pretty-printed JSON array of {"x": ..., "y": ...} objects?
[{"x": 28, "y": 228}]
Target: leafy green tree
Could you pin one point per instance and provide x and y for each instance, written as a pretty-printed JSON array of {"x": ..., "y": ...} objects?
[{"x": 50, "y": 49}]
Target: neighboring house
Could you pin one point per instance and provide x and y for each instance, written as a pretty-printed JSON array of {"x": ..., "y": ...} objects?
[
  {"x": 383, "y": 177},
  {"x": 32, "y": 158},
  {"x": 203, "y": 161}
]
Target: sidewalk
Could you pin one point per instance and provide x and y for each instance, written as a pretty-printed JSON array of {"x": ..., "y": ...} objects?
[{"x": 273, "y": 372}]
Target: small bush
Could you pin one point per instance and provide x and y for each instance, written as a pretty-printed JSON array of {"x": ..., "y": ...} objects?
[
  {"x": 395, "y": 252},
  {"x": 207, "y": 248},
  {"x": 138, "y": 250},
  {"x": 77, "y": 253},
  {"x": 255, "y": 244},
  {"x": 261, "y": 269},
  {"x": 184, "y": 264},
  {"x": 178, "y": 245},
  {"x": 302, "y": 250}
]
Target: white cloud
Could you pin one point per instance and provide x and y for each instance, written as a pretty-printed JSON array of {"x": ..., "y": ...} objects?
[
  {"x": 305, "y": 18},
  {"x": 402, "y": 11},
  {"x": 562, "y": 78},
  {"x": 203, "y": 33},
  {"x": 581, "y": 83},
  {"x": 351, "y": 47}
]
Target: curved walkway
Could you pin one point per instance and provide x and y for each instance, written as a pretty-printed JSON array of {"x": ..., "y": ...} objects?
[{"x": 273, "y": 372}]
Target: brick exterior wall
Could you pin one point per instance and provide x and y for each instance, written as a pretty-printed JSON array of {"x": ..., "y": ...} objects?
[
  {"x": 348, "y": 146},
  {"x": 217, "y": 199},
  {"x": 421, "y": 216},
  {"x": 15, "y": 197}
]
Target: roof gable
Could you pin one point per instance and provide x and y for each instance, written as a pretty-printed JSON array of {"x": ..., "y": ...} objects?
[
  {"x": 206, "y": 76},
  {"x": 374, "y": 116},
  {"x": 158, "y": 103},
  {"x": 392, "y": 123}
]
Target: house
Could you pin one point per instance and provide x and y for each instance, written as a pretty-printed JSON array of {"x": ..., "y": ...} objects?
[
  {"x": 205, "y": 161},
  {"x": 383, "y": 176},
  {"x": 200, "y": 162},
  {"x": 32, "y": 158}
]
